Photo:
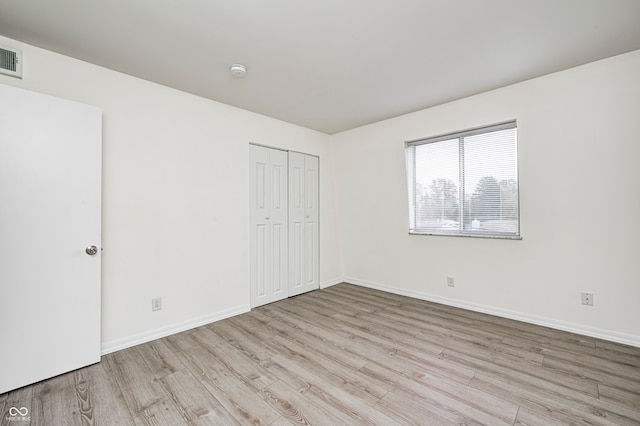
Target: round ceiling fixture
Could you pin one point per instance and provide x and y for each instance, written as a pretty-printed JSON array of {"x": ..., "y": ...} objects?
[{"x": 238, "y": 70}]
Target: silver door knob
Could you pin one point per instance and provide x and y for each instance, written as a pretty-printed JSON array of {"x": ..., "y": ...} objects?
[
  {"x": 267, "y": 217},
  {"x": 91, "y": 250}
]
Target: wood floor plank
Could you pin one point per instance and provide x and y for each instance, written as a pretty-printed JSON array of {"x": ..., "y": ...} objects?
[
  {"x": 619, "y": 395},
  {"x": 479, "y": 338},
  {"x": 296, "y": 408},
  {"x": 282, "y": 421},
  {"x": 428, "y": 321},
  {"x": 296, "y": 356},
  {"x": 355, "y": 296},
  {"x": 327, "y": 307},
  {"x": 297, "y": 322},
  {"x": 246, "y": 336},
  {"x": 105, "y": 397},
  {"x": 541, "y": 335},
  {"x": 613, "y": 347},
  {"x": 576, "y": 369},
  {"x": 530, "y": 417},
  {"x": 164, "y": 413},
  {"x": 349, "y": 408},
  {"x": 243, "y": 366},
  {"x": 61, "y": 404},
  {"x": 452, "y": 408},
  {"x": 315, "y": 384},
  {"x": 613, "y": 369},
  {"x": 307, "y": 321},
  {"x": 440, "y": 391},
  {"x": 349, "y": 355},
  {"x": 410, "y": 410},
  {"x": 198, "y": 406},
  {"x": 234, "y": 392},
  {"x": 375, "y": 348},
  {"x": 245, "y": 327},
  {"x": 136, "y": 381},
  {"x": 360, "y": 296},
  {"x": 356, "y": 326},
  {"x": 481, "y": 351},
  {"x": 84, "y": 398},
  {"x": 54, "y": 384},
  {"x": 569, "y": 410},
  {"x": 180, "y": 341},
  {"x": 327, "y": 348},
  {"x": 526, "y": 375},
  {"x": 206, "y": 337},
  {"x": 341, "y": 305},
  {"x": 159, "y": 358},
  {"x": 409, "y": 368}
]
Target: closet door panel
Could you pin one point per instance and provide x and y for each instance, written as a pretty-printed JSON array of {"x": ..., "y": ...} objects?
[
  {"x": 311, "y": 218},
  {"x": 278, "y": 223},
  {"x": 268, "y": 225},
  {"x": 303, "y": 223},
  {"x": 296, "y": 224}
]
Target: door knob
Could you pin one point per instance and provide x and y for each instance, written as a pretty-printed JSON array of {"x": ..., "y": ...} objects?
[{"x": 91, "y": 250}]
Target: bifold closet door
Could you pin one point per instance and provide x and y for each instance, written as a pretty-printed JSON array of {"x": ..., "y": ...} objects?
[
  {"x": 268, "y": 219},
  {"x": 303, "y": 223}
]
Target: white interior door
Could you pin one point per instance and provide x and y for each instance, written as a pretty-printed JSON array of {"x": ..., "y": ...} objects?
[
  {"x": 268, "y": 225},
  {"x": 50, "y": 205},
  {"x": 303, "y": 223}
]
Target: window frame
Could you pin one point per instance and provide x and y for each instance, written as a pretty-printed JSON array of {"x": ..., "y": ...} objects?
[{"x": 412, "y": 184}]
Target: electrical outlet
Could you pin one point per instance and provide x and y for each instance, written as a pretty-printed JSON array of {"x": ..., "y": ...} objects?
[
  {"x": 156, "y": 304},
  {"x": 451, "y": 282},
  {"x": 587, "y": 298}
]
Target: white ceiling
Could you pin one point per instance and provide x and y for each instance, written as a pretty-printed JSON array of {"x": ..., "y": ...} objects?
[{"x": 329, "y": 65}]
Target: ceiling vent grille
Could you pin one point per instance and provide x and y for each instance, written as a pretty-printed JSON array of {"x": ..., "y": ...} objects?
[{"x": 11, "y": 62}]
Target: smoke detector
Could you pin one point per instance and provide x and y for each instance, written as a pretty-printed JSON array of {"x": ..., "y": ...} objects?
[{"x": 238, "y": 70}]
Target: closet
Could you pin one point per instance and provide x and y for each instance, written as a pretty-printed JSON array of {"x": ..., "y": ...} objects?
[{"x": 284, "y": 248}]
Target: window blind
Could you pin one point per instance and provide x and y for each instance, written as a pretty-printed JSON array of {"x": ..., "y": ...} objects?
[{"x": 465, "y": 183}]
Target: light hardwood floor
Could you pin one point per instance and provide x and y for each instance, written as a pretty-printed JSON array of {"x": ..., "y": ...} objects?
[{"x": 349, "y": 355}]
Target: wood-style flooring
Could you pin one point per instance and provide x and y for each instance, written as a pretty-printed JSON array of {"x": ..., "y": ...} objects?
[{"x": 349, "y": 355}]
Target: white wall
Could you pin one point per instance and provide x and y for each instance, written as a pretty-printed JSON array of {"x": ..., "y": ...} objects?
[
  {"x": 175, "y": 201},
  {"x": 579, "y": 147},
  {"x": 175, "y": 196}
]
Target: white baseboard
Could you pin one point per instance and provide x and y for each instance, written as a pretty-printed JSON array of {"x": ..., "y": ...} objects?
[
  {"x": 168, "y": 330},
  {"x": 531, "y": 319},
  {"x": 150, "y": 335},
  {"x": 331, "y": 283}
]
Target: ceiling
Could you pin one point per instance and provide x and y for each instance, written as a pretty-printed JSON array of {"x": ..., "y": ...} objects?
[{"x": 329, "y": 65}]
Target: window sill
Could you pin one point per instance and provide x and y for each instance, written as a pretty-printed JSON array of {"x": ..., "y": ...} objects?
[{"x": 444, "y": 234}]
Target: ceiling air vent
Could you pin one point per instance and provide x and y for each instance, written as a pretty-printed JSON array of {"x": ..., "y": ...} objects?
[{"x": 11, "y": 61}]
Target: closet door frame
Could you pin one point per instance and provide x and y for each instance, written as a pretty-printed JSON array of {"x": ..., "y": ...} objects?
[{"x": 284, "y": 224}]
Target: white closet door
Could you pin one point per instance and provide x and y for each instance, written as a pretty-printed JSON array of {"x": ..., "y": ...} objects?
[
  {"x": 303, "y": 223},
  {"x": 311, "y": 223},
  {"x": 296, "y": 223},
  {"x": 268, "y": 219}
]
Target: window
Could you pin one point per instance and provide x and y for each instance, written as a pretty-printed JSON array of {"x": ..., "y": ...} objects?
[{"x": 465, "y": 183}]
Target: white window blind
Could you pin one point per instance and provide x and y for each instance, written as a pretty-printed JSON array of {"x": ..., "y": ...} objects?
[{"x": 465, "y": 183}]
